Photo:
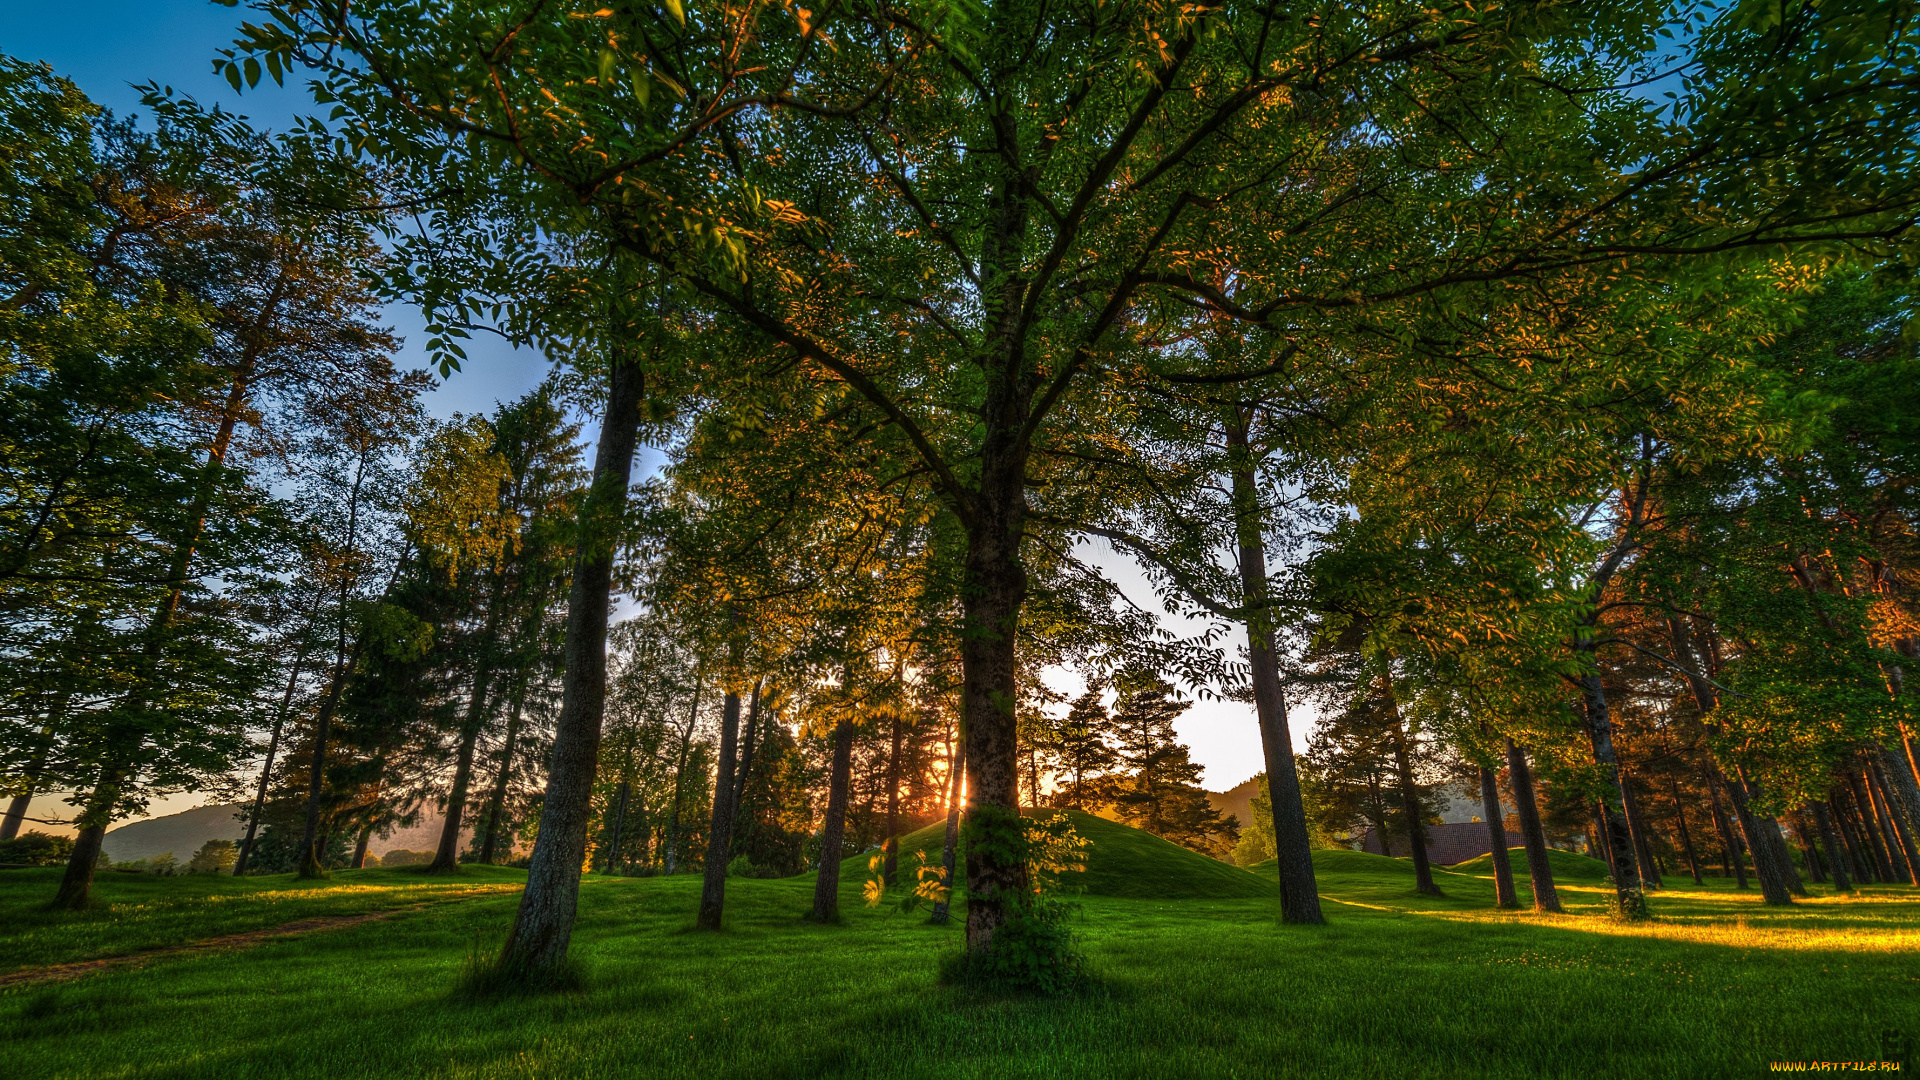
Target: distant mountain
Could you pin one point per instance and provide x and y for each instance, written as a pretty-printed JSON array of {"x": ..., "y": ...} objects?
[
  {"x": 183, "y": 833},
  {"x": 1237, "y": 800}
]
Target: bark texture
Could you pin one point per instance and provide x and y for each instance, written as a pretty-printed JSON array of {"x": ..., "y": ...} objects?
[
  {"x": 713, "y": 888},
  {"x": 833, "y": 832},
  {"x": 1503, "y": 893},
  {"x": 543, "y": 926},
  {"x": 1527, "y": 807}
]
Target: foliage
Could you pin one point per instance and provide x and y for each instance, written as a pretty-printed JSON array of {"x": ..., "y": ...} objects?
[
  {"x": 214, "y": 857},
  {"x": 36, "y": 848}
]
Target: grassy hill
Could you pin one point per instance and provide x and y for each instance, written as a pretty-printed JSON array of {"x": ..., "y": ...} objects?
[
  {"x": 1567, "y": 865},
  {"x": 1121, "y": 861}
]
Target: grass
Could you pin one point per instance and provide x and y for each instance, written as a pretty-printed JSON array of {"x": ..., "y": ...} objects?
[
  {"x": 1396, "y": 985},
  {"x": 139, "y": 912},
  {"x": 1121, "y": 861}
]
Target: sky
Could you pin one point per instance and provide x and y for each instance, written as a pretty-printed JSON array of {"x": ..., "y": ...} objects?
[{"x": 117, "y": 44}]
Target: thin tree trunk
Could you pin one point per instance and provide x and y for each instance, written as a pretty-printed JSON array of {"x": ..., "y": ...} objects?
[
  {"x": 1686, "y": 834},
  {"x": 1857, "y": 861},
  {"x": 1836, "y": 856},
  {"x": 1733, "y": 865},
  {"x": 497, "y": 799},
  {"x": 308, "y": 859},
  {"x": 1890, "y": 825},
  {"x": 1628, "y": 892},
  {"x": 1292, "y": 847},
  {"x": 1803, "y": 835},
  {"x": 36, "y": 767},
  {"x": 1637, "y": 829},
  {"x": 713, "y": 891},
  {"x": 543, "y": 926},
  {"x": 1777, "y": 881},
  {"x": 833, "y": 832},
  {"x": 360, "y": 847},
  {"x": 1503, "y": 893},
  {"x": 266, "y": 769},
  {"x": 680, "y": 773},
  {"x": 1876, "y": 839},
  {"x": 1903, "y": 802},
  {"x": 1409, "y": 798},
  {"x": 447, "y": 858},
  {"x": 956, "y": 772},
  {"x": 619, "y": 823},
  {"x": 1539, "y": 865},
  {"x": 1600, "y": 840},
  {"x": 891, "y": 848}
]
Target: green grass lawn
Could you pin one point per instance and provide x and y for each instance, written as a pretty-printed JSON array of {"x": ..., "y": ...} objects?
[
  {"x": 137, "y": 912},
  {"x": 1394, "y": 986}
]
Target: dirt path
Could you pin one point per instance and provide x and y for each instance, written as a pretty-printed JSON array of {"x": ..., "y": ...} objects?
[{"x": 82, "y": 968}]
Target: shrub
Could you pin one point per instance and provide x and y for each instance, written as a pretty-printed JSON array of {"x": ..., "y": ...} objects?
[
  {"x": 403, "y": 857},
  {"x": 37, "y": 849},
  {"x": 162, "y": 865},
  {"x": 214, "y": 857}
]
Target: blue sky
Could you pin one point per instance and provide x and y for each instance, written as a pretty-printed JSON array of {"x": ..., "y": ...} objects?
[{"x": 117, "y": 44}]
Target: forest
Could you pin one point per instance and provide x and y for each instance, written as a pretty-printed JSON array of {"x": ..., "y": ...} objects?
[{"x": 1505, "y": 411}]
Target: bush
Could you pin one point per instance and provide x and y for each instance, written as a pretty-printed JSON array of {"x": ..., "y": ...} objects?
[
  {"x": 37, "y": 849},
  {"x": 162, "y": 865},
  {"x": 214, "y": 857},
  {"x": 403, "y": 857},
  {"x": 1034, "y": 951}
]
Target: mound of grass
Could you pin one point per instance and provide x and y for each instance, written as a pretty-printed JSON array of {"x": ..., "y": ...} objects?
[
  {"x": 1121, "y": 861},
  {"x": 1567, "y": 865}
]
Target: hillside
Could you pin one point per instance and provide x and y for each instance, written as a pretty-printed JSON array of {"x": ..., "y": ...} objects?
[
  {"x": 183, "y": 833},
  {"x": 1121, "y": 861},
  {"x": 1238, "y": 799},
  {"x": 1567, "y": 865}
]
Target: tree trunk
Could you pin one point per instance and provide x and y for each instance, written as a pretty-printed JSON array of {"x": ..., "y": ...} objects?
[
  {"x": 1637, "y": 828},
  {"x": 543, "y": 926},
  {"x": 713, "y": 891},
  {"x": 833, "y": 832},
  {"x": 497, "y": 799},
  {"x": 1732, "y": 864},
  {"x": 1527, "y": 807},
  {"x": 123, "y": 746},
  {"x": 360, "y": 847},
  {"x": 1292, "y": 847},
  {"x": 266, "y": 769},
  {"x": 956, "y": 772},
  {"x": 1903, "y": 803},
  {"x": 892, "y": 845},
  {"x": 1686, "y": 834},
  {"x": 994, "y": 587},
  {"x": 1898, "y": 842},
  {"x": 1598, "y": 837},
  {"x": 1857, "y": 862},
  {"x": 308, "y": 859},
  {"x": 1803, "y": 835},
  {"x": 1762, "y": 834},
  {"x": 619, "y": 824},
  {"x": 1618, "y": 838},
  {"x": 17, "y": 809},
  {"x": 1875, "y": 838},
  {"x": 1409, "y": 798},
  {"x": 1836, "y": 856},
  {"x": 1504, "y": 896},
  {"x": 679, "y": 775},
  {"x": 447, "y": 859}
]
